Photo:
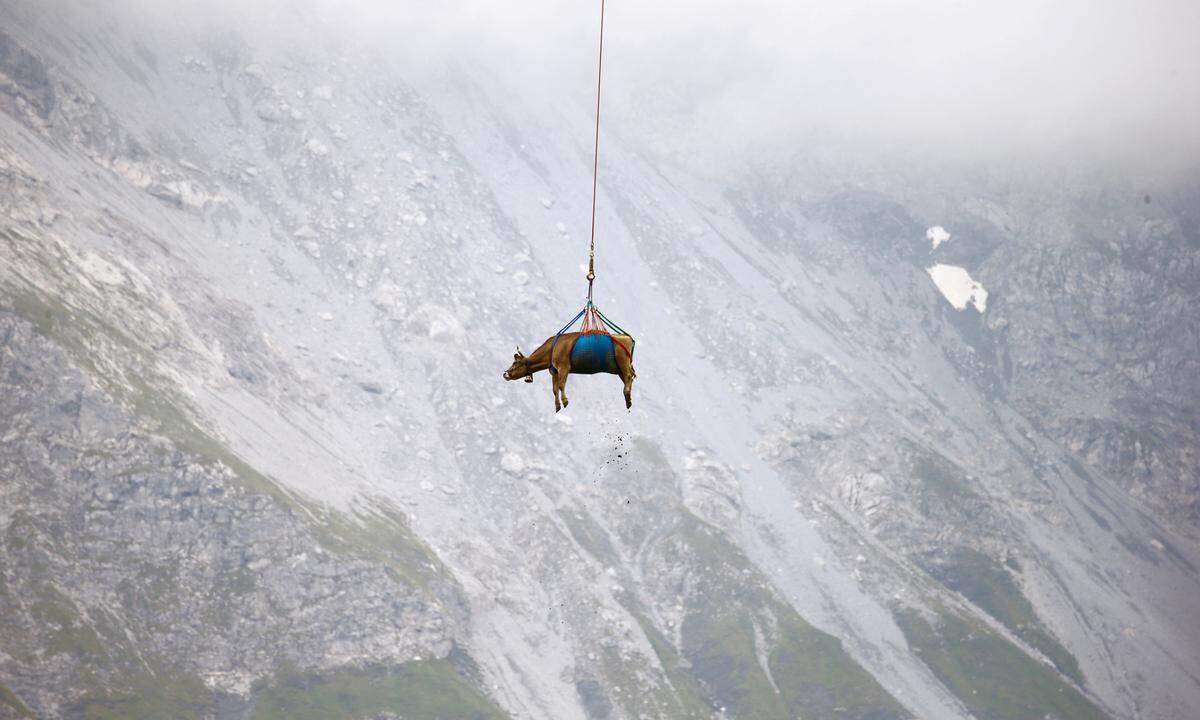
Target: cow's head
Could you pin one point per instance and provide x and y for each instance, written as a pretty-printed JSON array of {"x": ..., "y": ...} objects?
[{"x": 519, "y": 368}]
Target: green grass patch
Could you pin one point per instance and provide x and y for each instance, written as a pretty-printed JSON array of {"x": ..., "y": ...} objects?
[
  {"x": 721, "y": 649},
  {"x": 10, "y": 700},
  {"x": 687, "y": 702},
  {"x": 942, "y": 481},
  {"x": 180, "y": 697},
  {"x": 69, "y": 633},
  {"x": 426, "y": 690},
  {"x": 994, "y": 678},
  {"x": 810, "y": 673},
  {"x": 812, "y": 669},
  {"x": 987, "y": 584},
  {"x": 382, "y": 538},
  {"x": 589, "y": 535}
]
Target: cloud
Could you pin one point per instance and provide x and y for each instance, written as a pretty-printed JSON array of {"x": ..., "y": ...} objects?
[
  {"x": 966, "y": 81},
  {"x": 1095, "y": 82}
]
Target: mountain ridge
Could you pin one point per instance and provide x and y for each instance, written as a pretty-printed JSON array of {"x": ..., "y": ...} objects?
[{"x": 834, "y": 491}]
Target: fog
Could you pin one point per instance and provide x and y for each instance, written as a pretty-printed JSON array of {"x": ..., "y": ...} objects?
[{"x": 1093, "y": 82}]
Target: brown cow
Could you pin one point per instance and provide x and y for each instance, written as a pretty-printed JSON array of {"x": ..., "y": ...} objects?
[{"x": 525, "y": 367}]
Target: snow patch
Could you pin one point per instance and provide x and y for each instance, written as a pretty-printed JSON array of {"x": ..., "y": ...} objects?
[
  {"x": 936, "y": 235},
  {"x": 957, "y": 286}
]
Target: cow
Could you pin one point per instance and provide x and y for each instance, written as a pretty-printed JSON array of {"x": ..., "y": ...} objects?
[{"x": 597, "y": 352}]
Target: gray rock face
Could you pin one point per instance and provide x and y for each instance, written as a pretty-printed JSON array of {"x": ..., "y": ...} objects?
[
  {"x": 128, "y": 558},
  {"x": 1111, "y": 371},
  {"x": 23, "y": 80},
  {"x": 256, "y": 454}
]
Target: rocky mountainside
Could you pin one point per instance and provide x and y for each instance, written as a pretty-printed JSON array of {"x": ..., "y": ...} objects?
[{"x": 900, "y": 446}]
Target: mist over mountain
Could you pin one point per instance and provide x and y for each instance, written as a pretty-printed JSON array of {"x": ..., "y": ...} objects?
[{"x": 914, "y": 432}]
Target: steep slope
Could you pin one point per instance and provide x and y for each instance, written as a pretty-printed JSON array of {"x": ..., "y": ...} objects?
[
  {"x": 258, "y": 460},
  {"x": 149, "y": 573}
]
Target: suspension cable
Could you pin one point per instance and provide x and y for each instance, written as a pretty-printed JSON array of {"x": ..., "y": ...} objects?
[{"x": 591, "y": 275}]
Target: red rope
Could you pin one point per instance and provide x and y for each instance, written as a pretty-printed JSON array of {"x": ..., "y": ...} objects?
[
  {"x": 596, "y": 157},
  {"x": 592, "y": 322},
  {"x": 593, "y": 325}
]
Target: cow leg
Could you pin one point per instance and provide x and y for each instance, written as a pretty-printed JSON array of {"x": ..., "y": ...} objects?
[
  {"x": 626, "y": 373},
  {"x": 561, "y": 376}
]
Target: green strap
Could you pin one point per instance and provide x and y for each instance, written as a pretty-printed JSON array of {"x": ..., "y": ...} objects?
[{"x": 618, "y": 328}]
